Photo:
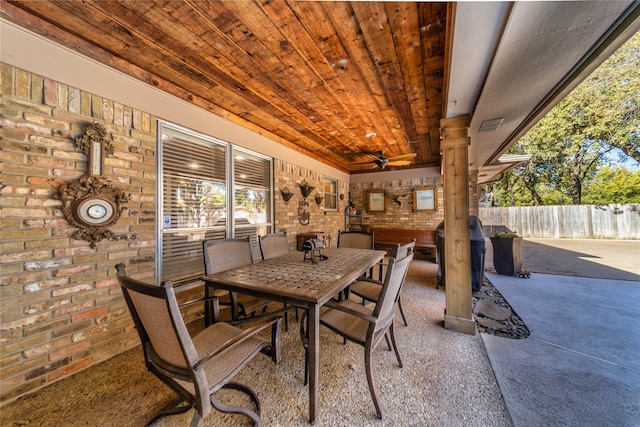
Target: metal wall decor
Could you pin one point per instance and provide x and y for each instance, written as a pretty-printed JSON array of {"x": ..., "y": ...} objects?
[
  {"x": 303, "y": 215},
  {"x": 91, "y": 203},
  {"x": 286, "y": 195}
]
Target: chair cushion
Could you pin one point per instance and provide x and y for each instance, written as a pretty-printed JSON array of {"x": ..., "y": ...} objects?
[
  {"x": 225, "y": 366},
  {"x": 351, "y": 326},
  {"x": 366, "y": 289}
]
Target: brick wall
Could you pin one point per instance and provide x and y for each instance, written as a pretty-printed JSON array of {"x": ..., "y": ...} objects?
[
  {"x": 287, "y": 175},
  {"x": 399, "y": 215},
  {"x": 61, "y": 306}
]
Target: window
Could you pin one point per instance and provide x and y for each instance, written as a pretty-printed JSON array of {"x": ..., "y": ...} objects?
[
  {"x": 330, "y": 188},
  {"x": 210, "y": 190},
  {"x": 252, "y": 194}
]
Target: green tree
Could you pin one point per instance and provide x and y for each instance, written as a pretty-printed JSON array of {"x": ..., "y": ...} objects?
[
  {"x": 613, "y": 185},
  {"x": 576, "y": 137}
]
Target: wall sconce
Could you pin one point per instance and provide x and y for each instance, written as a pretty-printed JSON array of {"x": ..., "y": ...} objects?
[
  {"x": 341, "y": 196},
  {"x": 286, "y": 195},
  {"x": 319, "y": 197},
  {"x": 306, "y": 189},
  {"x": 303, "y": 214}
]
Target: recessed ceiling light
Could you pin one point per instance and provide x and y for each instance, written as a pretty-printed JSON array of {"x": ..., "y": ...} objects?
[
  {"x": 491, "y": 125},
  {"x": 370, "y": 134}
]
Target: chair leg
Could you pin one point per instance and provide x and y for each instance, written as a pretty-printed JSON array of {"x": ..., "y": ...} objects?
[
  {"x": 195, "y": 420},
  {"x": 276, "y": 354},
  {"x": 389, "y": 345},
  {"x": 404, "y": 319},
  {"x": 304, "y": 338},
  {"x": 223, "y": 407},
  {"x": 368, "y": 366},
  {"x": 173, "y": 408},
  {"x": 392, "y": 333}
]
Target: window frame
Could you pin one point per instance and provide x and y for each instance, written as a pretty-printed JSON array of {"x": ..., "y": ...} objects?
[
  {"x": 230, "y": 228},
  {"x": 330, "y": 198}
]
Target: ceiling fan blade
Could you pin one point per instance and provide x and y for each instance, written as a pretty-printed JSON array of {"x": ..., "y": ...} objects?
[
  {"x": 378, "y": 157},
  {"x": 399, "y": 163},
  {"x": 402, "y": 157}
]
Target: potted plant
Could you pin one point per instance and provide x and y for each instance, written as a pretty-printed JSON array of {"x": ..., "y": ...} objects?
[{"x": 507, "y": 256}]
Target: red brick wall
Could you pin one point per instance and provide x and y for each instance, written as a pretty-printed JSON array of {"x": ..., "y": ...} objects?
[{"x": 62, "y": 308}]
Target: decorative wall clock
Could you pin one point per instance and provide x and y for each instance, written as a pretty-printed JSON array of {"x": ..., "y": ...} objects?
[{"x": 91, "y": 203}]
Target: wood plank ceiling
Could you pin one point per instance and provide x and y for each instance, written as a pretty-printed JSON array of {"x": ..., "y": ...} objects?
[{"x": 315, "y": 76}]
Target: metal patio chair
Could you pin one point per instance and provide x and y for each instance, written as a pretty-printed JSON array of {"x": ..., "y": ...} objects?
[
  {"x": 225, "y": 254},
  {"x": 195, "y": 368},
  {"x": 369, "y": 289},
  {"x": 273, "y": 245},
  {"x": 366, "y": 325},
  {"x": 357, "y": 240}
]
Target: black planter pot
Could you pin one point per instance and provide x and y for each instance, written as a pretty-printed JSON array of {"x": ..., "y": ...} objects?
[{"x": 507, "y": 257}]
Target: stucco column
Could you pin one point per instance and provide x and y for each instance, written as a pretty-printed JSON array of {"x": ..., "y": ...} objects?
[{"x": 457, "y": 246}]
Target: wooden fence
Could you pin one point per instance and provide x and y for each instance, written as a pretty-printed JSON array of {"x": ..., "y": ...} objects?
[{"x": 572, "y": 222}]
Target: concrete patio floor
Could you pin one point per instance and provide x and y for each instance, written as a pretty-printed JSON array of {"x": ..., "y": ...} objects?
[{"x": 580, "y": 365}]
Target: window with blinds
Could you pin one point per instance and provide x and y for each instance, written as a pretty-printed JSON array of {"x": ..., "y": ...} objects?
[{"x": 202, "y": 199}]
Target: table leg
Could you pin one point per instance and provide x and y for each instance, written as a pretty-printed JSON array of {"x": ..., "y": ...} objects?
[{"x": 314, "y": 362}]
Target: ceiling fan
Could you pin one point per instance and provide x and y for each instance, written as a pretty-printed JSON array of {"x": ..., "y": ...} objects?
[{"x": 380, "y": 161}]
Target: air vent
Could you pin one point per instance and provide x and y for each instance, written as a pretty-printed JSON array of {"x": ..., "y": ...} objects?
[{"x": 491, "y": 125}]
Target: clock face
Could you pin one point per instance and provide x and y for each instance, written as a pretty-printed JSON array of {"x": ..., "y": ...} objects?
[{"x": 95, "y": 211}]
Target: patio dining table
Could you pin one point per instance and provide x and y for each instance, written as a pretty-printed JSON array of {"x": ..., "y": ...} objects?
[{"x": 292, "y": 280}]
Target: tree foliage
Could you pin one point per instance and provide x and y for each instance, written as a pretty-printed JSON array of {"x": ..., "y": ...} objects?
[
  {"x": 572, "y": 143},
  {"x": 613, "y": 185}
]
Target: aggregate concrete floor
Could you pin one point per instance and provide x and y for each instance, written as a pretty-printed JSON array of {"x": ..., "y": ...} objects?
[
  {"x": 446, "y": 381},
  {"x": 579, "y": 367}
]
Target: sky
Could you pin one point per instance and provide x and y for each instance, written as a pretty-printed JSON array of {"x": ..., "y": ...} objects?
[{"x": 630, "y": 163}]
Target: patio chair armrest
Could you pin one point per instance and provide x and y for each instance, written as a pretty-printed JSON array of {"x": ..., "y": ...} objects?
[
  {"x": 245, "y": 335},
  {"x": 199, "y": 300},
  {"x": 337, "y": 306},
  {"x": 370, "y": 280}
]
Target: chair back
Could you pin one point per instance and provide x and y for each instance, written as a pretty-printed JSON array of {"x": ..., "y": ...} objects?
[
  {"x": 355, "y": 239},
  {"x": 273, "y": 245},
  {"x": 225, "y": 254},
  {"x": 168, "y": 349},
  {"x": 398, "y": 252},
  {"x": 385, "y": 307},
  {"x": 401, "y": 251}
]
